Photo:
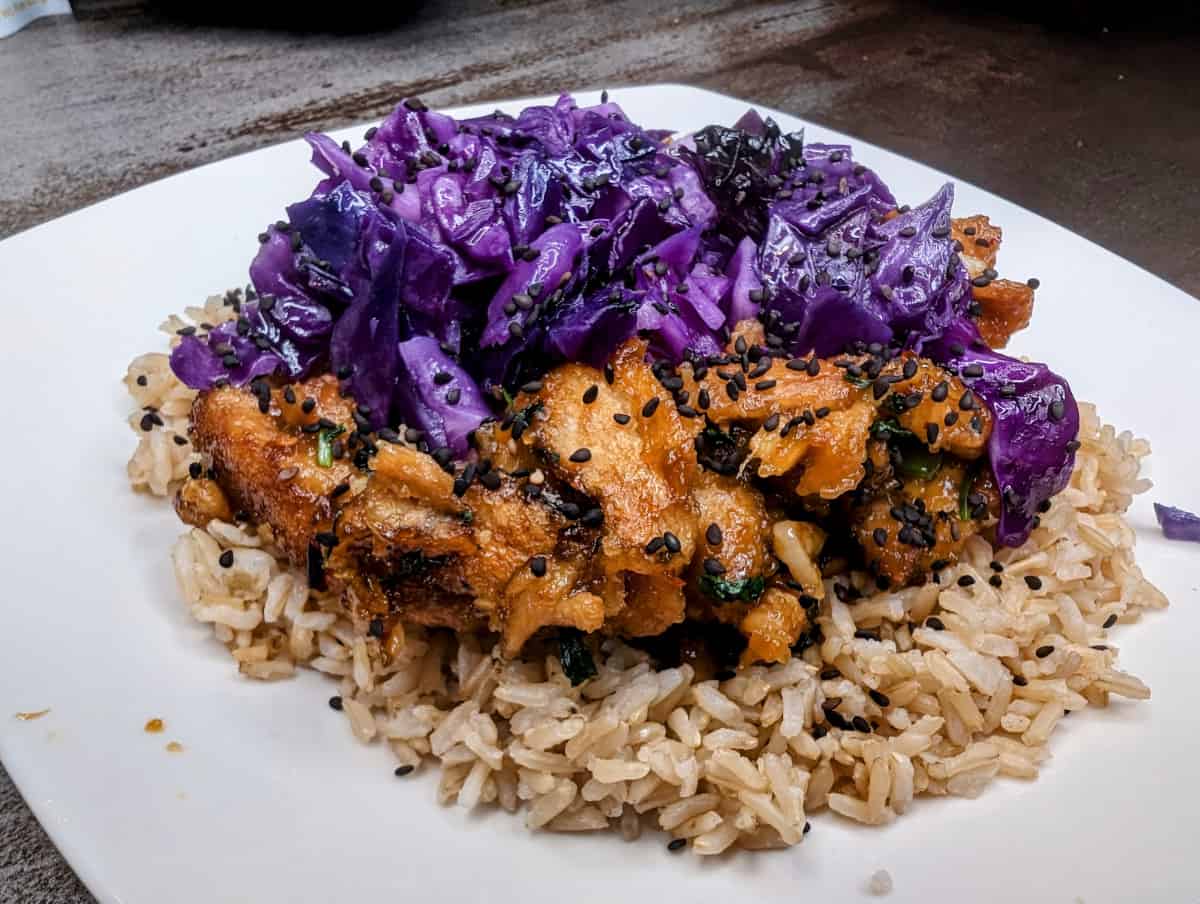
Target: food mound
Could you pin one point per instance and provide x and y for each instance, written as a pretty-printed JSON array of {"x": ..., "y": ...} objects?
[{"x": 636, "y": 474}]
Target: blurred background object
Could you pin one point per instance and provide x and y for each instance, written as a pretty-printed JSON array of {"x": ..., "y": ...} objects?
[
  {"x": 1082, "y": 115},
  {"x": 16, "y": 14},
  {"x": 1089, "y": 117}
]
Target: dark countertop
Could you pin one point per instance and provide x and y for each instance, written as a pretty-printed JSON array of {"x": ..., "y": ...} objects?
[{"x": 1097, "y": 128}]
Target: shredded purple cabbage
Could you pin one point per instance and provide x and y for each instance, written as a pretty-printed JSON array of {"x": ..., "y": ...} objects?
[
  {"x": 443, "y": 261},
  {"x": 1177, "y": 524}
]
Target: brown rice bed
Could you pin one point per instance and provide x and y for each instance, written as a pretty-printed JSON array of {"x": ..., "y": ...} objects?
[{"x": 720, "y": 763}]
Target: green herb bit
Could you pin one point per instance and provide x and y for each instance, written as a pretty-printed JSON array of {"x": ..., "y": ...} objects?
[
  {"x": 917, "y": 461},
  {"x": 889, "y": 428},
  {"x": 325, "y": 440},
  {"x": 729, "y": 590},
  {"x": 964, "y": 492}
]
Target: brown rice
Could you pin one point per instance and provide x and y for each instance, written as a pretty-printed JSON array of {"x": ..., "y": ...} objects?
[{"x": 719, "y": 763}]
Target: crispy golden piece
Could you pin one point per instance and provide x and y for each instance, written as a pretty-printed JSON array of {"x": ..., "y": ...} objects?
[
  {"x": 1006, "y": 305},
  {"x": 407, "y": 534},
  {"x": 265, "y": 462},
  {"x": 908, "y": 528},
  {"x": 200, "y": 501},
  {"x": 632, "y": 469},
  {"x": 939, "y": 418},
  {"x": 739, "y": 544},
  {"x": 772, "y": 626},
  {"x": 587, "y": 507}
]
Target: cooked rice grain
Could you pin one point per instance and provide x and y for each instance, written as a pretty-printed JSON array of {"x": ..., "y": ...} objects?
[{"x": 721, "y": 763}]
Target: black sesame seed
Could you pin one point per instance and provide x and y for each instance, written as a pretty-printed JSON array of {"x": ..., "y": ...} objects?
[
  {"x": 590, "y": 394},
  {"x": 335, "y": 703},
  {"x": 650, "y": 407},
  {"x": 966, "y": 581},
  {"x": 655, "y": 545},
  {"x": 713, "y": 534},
  {"x": 836, "y": 719},
  {"x": 195, "y": 470},
  {"x": 226, "y": 559},
  {"x": 1043, "y": 651},
  {"x": 579, "y": 456},
  {"x": 880, "y": 536},
  {"x": 676, "y": 844},
  {"x": 1057, "y": 410},
  {"x": 935, "y": 623},
  {"x": 880, "y": 699},
  {"x": 538, "y": 566},
  {"x": 1033, "y": 582},
  {"x": 1110, "y": 621},
  {"x": 402, "y": 771},
  {"x": 1020, "y": 680},
  {"x": 950, "y": 419},
  {"x": 861, "y": 724},
  {"x": 1033, "y": 282},
  {"x": 672, "y": 542}
]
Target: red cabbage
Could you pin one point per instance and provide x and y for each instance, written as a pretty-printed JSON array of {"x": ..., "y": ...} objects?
[
  {"x": 436, "y": 395},
  {"x": 1035, "y": 422},
  {"x": 1177, "y": 524},
  {"x": 441, "y": 260}
]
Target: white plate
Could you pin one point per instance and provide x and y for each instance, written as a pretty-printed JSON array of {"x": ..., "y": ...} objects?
[{"x": 273, "y": 800}]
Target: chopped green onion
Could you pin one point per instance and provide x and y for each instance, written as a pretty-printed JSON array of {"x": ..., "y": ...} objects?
[
  {"x": 325, "y": 440},
  {"x": 964, "y": 491},
  {"x": 728, "y": 590},
  {"x": 917, "y": 461},
  {"x": 888, "y": 428}
]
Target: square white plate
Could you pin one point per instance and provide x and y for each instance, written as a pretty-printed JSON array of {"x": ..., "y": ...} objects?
[{"x": 273, "y": 800}]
